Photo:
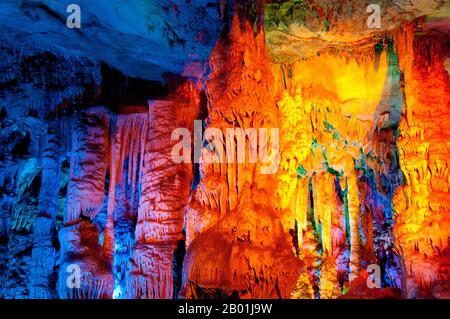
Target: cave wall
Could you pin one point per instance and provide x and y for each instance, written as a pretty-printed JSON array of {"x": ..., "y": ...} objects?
[{"x": 355, "y": 175}]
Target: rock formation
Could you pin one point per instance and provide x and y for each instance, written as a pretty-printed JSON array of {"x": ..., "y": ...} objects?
[{"x": 285, "y": 150}]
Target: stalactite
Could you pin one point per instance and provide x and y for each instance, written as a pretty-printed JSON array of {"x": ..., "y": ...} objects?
[
  {"x": 124, "y": 219},
  {"x": 126, "y": 134},
  {"x": 354, "y": 215}
]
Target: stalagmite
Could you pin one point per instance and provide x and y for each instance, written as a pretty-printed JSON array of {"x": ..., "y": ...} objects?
[
  {"x": 79, "y": 237},
  {"x": 165, "y": 189},
  {"x": 43, "y": 255},
  {"x": 353, "y": 212}
]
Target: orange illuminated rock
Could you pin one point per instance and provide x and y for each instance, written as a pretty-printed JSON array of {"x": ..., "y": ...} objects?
[
  {"x": 165, "y": 190},
  {"x": 355, "y": 177},
  {"x": 236, "y": 243}
]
